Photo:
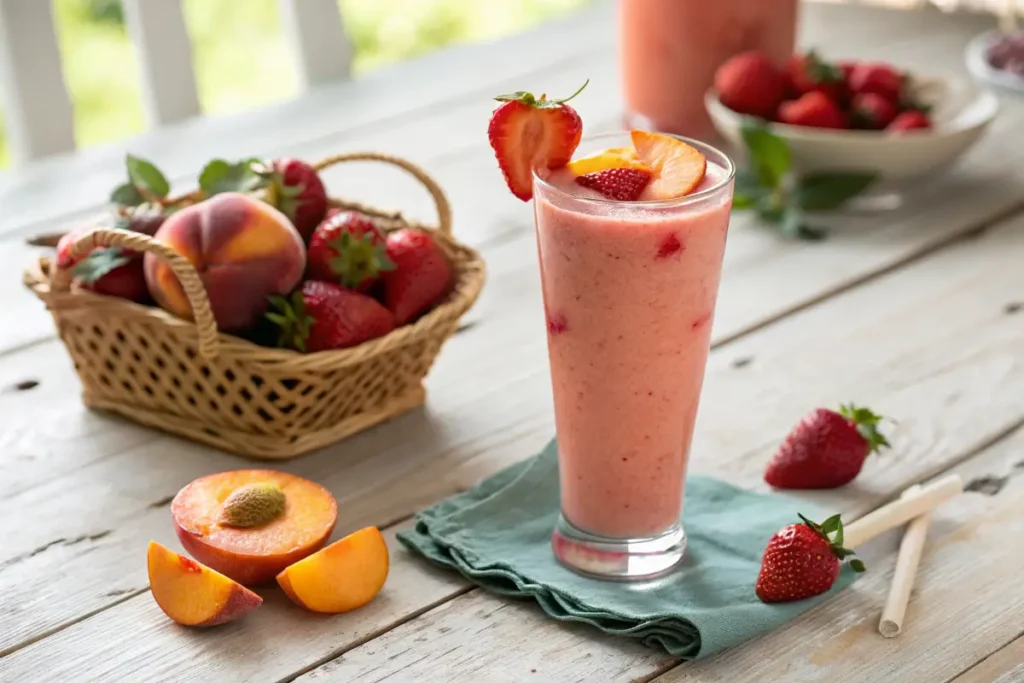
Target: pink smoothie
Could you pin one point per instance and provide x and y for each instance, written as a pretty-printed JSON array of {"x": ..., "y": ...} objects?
[{"x": 629, "y": 294}]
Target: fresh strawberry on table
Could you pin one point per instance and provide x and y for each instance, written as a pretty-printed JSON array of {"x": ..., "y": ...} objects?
[
  {"x": 911, "y": 119},
  {"x": 528, "y": 132},
  {"x": 826, "y": 449},
  {"x": 878, "y": 78},
  {"x": 749, "y": 83},
  {"x": 348, "y": 249},
  {"x": 294, "y": 187},
  {"x": 320, "y": 316},
  {"x": 872, "y": 111},
  {"x": 420, "y": 277},
  {"x": 802, "y": 560},
  {"x": 808, "y": 73},
  {"x": 815, "y": 109}
]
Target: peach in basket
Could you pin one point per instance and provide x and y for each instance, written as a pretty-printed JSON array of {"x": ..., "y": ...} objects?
[{"x": 853, "y": 116}]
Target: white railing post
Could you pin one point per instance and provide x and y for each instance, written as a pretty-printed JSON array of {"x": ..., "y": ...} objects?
[
  {"x": 37, "y": 111},
  {"x": 164, "y": 53},
  {"x": 317, "y": 36}
]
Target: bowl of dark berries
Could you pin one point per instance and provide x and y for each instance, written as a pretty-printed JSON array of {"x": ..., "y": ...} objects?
[
  {"x": 997, "y": 58},
  {"x": 852, "y": 115}
]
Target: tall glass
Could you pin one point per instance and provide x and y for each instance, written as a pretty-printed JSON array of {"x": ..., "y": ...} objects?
[
  {"x": 629, "y": 295},
  {"x": 670, "y": 49}
]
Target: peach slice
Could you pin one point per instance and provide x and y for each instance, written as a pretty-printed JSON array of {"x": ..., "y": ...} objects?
[
  {"x": 194, "y": 595},
  {"x": 613, "y": 157},
  {"x": 251, "y": 524},
  {"x": 341, "y": 577},
  {"x": 677, "y": 167}
]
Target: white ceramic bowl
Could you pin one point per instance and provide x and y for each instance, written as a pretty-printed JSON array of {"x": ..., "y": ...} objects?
[
  {"x": 961, "y": 112},
  {"x": 979, "y": 67}
]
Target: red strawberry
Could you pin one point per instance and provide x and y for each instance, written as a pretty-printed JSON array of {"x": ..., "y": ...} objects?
[
  {"x": 847, "y": 68},
  {"x": 749, "y": 83},
  {"x": 802, "y": 560},
  {"x": 872, "y": 111},
  {"x": 814, "y": 109},
  {"x": 623, "y": 184},
  {"x": 826, "y": 449},
  {"x": 809, "y": 73},
  {"x": 880, "y": 79},
  {"x": 113, "y": 271},
  {"x": 528, "y": 132},
  {"x": 421, "y": 275},
  {"x": 320, "y": 316},
  {"x": 347, "y": 248},
  {"x": 911, "y": 119},
  {"x": 296, "y": 190}
]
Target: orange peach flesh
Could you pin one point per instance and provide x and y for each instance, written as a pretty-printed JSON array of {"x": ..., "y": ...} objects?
[
  {"x": 341, "y": 577},
  {"x": 194, "y": 595},
  {"x": 253, "y": 555}
]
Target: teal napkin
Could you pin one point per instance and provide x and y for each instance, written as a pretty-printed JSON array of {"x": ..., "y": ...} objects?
[{"x": 498, "y": 535}]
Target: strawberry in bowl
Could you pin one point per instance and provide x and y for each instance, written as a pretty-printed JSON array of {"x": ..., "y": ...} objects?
[{"x": 853, "y": 115}]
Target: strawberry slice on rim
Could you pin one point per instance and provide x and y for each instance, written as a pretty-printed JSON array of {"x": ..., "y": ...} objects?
[{"x": 528, "y": 132}]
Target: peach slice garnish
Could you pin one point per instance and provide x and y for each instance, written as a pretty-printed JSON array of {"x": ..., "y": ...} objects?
[
  {"x": 677, "y": 168},
  {"x": 343, "y": 576},
  {"x": 194, "y": 595},
  {"x": 613, "y": 157}
]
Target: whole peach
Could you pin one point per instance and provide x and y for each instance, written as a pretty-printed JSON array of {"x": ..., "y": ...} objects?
[{"x": 244, "y": 250}]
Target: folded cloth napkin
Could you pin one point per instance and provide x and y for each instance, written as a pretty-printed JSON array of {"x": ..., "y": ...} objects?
[{"x": 498, "y": 536}]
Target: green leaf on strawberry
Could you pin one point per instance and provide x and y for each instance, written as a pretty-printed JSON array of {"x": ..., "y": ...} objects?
[
  {"x": 146, "y": 177},
  {"x": 867, "y": 425},
  {"x": 290, "y": 315},
  {"x": 541, "y": 102},
  {"x": 832, "y": 530},
  {"x": 99, "y": 262}
]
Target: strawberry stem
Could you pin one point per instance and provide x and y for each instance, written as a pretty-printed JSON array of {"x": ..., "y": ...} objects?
[
  {"x": 866, "y": 423},
  {"x": 541, "y": 102}
]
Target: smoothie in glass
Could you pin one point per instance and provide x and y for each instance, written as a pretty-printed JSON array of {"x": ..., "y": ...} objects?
[
  {"x": 670, "y": 49},
  {"x": 629, "y": 295}
]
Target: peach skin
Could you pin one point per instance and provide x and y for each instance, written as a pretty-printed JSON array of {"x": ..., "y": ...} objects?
[
  {"x": 244, "y": 250},
  {"x": 251, "y": 524},
  {"x": 194, "y": 595},
  {"x": 343, "y": 576}
]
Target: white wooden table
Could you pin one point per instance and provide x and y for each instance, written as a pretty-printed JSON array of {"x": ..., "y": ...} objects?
[{"x": 918, "y": 312}]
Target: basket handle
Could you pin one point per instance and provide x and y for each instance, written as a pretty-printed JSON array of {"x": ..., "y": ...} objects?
[
  {"x": 209, "y": 343},
  {"x": 444, "y": 210}
]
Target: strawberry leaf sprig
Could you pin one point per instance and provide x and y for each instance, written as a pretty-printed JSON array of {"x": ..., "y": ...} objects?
[{"x": 780, "y": 196}]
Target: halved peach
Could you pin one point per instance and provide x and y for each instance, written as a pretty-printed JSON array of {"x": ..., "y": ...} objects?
[
  {"x": 676, "y": 167},
  {"x": 251, "y": 524},
  {"x": 341, "y": 577},
  {"x": 194, "y": 595}
]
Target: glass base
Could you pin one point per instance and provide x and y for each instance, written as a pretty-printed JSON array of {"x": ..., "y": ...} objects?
[{"x": 617, "y": 559}]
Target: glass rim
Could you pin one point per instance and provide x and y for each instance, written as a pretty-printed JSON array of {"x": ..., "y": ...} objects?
[{"x": 703, "y": 147}]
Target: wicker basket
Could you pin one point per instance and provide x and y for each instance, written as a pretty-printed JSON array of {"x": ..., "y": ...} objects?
[{"x": 188, "y": 379}]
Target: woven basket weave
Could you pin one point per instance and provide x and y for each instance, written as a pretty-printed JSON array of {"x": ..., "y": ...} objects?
[{"x": 188, "y": 379}]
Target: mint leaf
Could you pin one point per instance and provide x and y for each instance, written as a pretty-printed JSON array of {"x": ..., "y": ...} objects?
[
  {"x": 828, "y": 191},
  {"x": 220, "y": 176},
  {"x": 127, "y": 195},
  {"x": 146, "y": 177},
  {"x": 747, "y": 191},
  {"x": 769, "y": 154}
]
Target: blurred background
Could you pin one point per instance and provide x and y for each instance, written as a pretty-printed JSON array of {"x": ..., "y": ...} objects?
[{"x": 240, "y": 54}]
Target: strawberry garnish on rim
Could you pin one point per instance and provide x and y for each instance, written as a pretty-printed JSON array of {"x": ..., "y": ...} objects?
[
  {"x": 528, "y": 132},
  {"x": 622, "y": 184}
]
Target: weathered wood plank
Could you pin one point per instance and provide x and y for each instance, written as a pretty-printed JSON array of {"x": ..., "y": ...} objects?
[
  {"x": 962, "y": 610},
  {"x": 928, "y": 355},
  {"x": 1003, "y": 666}
]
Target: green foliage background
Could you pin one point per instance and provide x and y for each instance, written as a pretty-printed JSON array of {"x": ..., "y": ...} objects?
[{"x": 240, "y": 57}]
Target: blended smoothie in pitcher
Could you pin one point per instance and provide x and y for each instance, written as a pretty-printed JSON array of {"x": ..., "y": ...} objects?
[
  {"x": 631, "y": 237},
  {"x": 629, "y": 293}
]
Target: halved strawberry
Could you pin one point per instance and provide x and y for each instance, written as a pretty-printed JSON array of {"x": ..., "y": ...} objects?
[
  {"x": 527, "y": 132},
  {"x": 676, "y": 167},
  {"x": 623, "y": 184},
  {"x": 613, "y": 157}
]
